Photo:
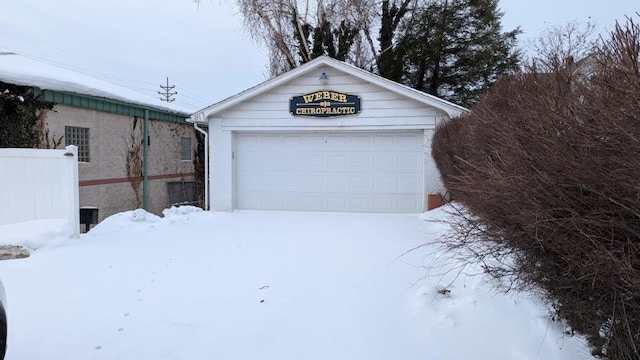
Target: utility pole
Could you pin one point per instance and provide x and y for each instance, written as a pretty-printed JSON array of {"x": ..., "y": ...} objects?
[{"x": 167, "y": 92}]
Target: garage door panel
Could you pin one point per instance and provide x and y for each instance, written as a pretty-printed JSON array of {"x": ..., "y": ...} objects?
[
  {"x": 360, "y": 203},
  {"x": 271, "y": 182},
  {"x": 337, "y": 162},
  {"x": 275, "y": 162},
  {"x": 383, "y": 162},
  {"x": 249, "y": 142},
  {"x": 293, "y": 202},
  {"x": 335, "y": 202},
  {"x": 315, "y": 183},
  {"x": 383, "y": 202},
  {"x": 359, "y": 162},
  {"x": 337, "y": 142},
  {"x": 409, "y": 162},
  {"x": 383, "y": 142},
  {"x": 293, "y": 182},
  {"x": 363, "y": 172},
  {"x": 340, "y": 203},
  {"x": 315, "y": 161},
  {"x": 271, "y": 140},
  {"x": 312, "y": 142},
  {"x": 252, "y": 160},
  {"x": 361, "y": 183},
  {"x": 292, "y": 141},
  {"x": 249, "y": 182},
  {"x": 292, "y": 161},
  {"x": 360, "y": 142},
  {"x": 263, "y": 200},
  {"x": 338, "y": 184},
  {"x": 314, "y": 202},
  {"x": 409, "y": 142},
  {"x": 272, "y": 201},
  {"x": 254, "y": 203},
  {"x": 384, "y": 184},
  {"x": 407, "y": 184}
]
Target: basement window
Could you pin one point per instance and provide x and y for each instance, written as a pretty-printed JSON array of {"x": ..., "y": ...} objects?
[
  {"x": 185, "y": 147},
  {"x": 79, "y": 137}
]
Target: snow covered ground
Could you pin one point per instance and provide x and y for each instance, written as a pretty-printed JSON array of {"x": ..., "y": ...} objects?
[{"x": 261, "y": 285}]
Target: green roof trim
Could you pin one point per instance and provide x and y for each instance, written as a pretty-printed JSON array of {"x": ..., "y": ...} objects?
[{"x": 110, "y": 106}]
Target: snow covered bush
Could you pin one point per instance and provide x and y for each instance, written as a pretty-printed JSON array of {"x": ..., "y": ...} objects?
[{"x": 547, "y": 167}]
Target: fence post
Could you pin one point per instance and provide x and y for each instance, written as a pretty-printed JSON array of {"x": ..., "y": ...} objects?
[{"x": 71, "y": 168}]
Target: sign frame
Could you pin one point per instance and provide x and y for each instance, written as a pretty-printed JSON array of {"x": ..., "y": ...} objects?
[{"x": 325, "y": 104}]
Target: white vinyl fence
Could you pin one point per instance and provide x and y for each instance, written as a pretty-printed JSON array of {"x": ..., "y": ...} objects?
[{"x": 38, "y": 184}]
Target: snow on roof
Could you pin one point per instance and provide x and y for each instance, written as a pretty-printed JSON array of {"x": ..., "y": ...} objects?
[{"x": 20, "y": 70}]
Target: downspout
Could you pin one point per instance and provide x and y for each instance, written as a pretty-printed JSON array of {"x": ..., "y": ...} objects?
[
  {"x": 206, "y": 165},
  {"x": 145, "y": 156}
]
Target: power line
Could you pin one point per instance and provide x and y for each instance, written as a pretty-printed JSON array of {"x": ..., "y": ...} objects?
[
  {"x": 75, "y": 53},
  {"x": 142, "y": 86}
]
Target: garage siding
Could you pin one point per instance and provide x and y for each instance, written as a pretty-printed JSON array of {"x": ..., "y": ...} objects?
[
  {"x": 378, "y": 105},
  {"x": 330, "y": 171}
]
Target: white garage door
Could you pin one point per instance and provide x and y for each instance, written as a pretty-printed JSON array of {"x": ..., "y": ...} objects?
[{"x": 353, "y": 172}]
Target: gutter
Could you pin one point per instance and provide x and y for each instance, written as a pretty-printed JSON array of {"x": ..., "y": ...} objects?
[{"x": 206, "y": 164}]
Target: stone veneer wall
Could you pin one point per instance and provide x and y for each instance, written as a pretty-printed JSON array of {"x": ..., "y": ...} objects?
[{"x": 104, "y": 181}]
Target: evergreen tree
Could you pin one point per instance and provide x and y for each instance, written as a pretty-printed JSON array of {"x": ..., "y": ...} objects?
[
  {"x": 389, "y": 59},
  {"x": 455, "y": 49},
  {"x": 21, "y": 117}
]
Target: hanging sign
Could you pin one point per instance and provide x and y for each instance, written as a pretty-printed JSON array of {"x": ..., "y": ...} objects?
[{"x": 324, "y": 104}]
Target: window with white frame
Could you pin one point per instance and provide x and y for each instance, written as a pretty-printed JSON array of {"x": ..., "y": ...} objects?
[
  {"x": 185, "y": 146},
  {"x": 78, "y": 136}
]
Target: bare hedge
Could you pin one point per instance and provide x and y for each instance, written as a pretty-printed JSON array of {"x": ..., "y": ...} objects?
[{"x": 548, "y": 166}]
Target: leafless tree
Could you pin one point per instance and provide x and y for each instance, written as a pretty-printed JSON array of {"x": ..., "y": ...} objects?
[
  {"x": 285, "y": 27},
  {"x": 559, "y": 45}
]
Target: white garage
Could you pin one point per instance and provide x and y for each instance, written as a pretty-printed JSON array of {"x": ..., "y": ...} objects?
[{"x": 326, "y": 136}]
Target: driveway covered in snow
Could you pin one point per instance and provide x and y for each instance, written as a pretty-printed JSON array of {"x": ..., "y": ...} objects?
[{"x": 263, "y": 285}]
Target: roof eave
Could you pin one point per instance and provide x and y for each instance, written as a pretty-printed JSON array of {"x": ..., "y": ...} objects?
[
  {"x": 109, "y": 105},
  {"x": 451, "y": 109},
  {"x": 201, "y": 116}
]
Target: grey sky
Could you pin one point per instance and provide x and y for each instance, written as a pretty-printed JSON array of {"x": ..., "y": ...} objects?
[{"x": 203, "y": 50}]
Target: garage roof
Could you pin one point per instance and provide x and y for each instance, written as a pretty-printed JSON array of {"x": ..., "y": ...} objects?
[{"x": 450, "y": 108}]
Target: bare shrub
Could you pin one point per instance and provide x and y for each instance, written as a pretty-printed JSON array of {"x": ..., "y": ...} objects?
[{"x": 548, "y": 167}]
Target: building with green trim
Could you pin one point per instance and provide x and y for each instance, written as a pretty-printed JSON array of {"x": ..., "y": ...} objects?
[{"x": 130, "y": 145}]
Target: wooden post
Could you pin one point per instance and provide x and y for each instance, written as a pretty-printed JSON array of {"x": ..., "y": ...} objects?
[{"x": 433, "y": 201}]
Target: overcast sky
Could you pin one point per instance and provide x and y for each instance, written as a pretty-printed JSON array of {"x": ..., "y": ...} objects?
[{"x": 204, "y": 49}]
